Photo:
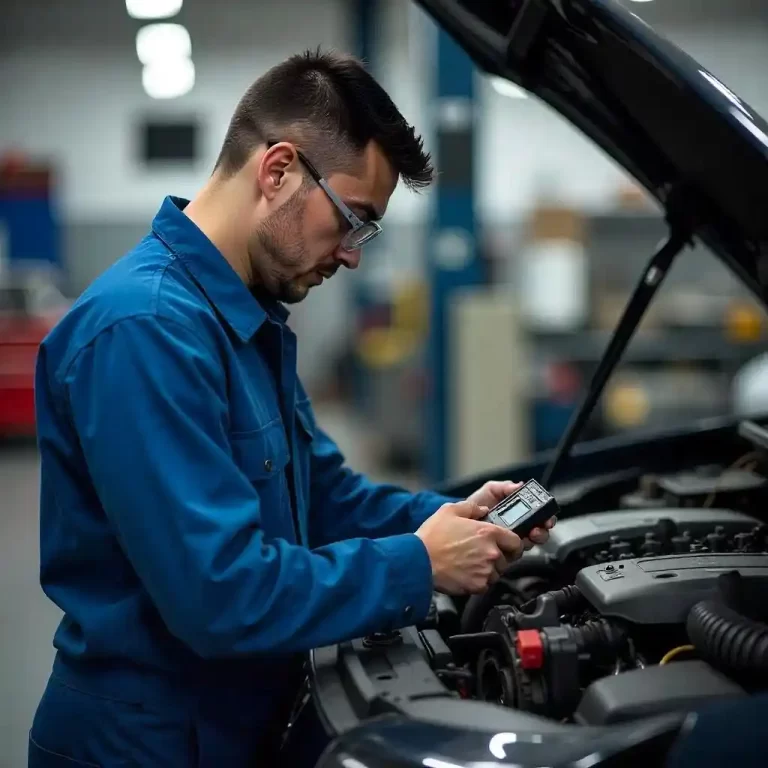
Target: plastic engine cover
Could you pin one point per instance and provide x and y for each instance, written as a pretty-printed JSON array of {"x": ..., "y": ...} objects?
[
  {"x": 680, "y": 686},
  {"x": 570, "y": 536},
  {"x": 661, "y": 590}
]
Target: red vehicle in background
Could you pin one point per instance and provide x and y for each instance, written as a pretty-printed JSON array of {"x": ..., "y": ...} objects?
[{"x": 28, "y": 310}]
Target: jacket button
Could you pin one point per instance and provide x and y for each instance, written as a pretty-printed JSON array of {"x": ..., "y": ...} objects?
[
  {"x": 408, "y": 611},
  {"x": 268, "y": 465}
]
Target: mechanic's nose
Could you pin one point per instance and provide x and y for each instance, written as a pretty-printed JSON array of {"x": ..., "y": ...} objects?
[{"x": 350, "y": 259}]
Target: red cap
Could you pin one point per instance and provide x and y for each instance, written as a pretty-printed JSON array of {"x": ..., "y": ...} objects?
[{"x": 530, "y": 649}]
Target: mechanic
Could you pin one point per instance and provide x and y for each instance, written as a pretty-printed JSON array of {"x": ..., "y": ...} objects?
[{"x": 199, "y": 530}]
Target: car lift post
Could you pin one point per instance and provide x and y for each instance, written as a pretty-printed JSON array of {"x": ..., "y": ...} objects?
[{"x": 453, "y": 254}]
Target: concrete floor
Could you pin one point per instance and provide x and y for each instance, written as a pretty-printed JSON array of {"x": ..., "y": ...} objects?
[{"x": 28, "y": 620}]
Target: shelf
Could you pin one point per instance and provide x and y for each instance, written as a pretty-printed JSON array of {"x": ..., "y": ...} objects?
[{"x": 679, "y": 345}]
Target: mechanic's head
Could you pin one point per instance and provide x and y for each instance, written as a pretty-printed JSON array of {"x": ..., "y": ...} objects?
[{"x": 312, "y": 155}]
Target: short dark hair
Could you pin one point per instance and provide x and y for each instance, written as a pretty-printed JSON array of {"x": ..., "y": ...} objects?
[{"x": 332, "y": 107}]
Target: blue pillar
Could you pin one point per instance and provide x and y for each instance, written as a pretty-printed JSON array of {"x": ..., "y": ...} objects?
[
  {"x": 453, "y": 255},
  {"x": 365, "y": 29}
]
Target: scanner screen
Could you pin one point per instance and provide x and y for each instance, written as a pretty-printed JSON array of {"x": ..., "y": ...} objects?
[{"x": 510, "y": 516}]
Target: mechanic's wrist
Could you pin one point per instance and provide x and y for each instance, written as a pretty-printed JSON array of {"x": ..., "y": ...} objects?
[{"x": 411, "y": 570}]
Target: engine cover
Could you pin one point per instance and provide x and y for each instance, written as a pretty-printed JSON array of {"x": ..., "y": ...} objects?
[
  {"x": 662, "y": 590},
  {"x": 595, "y": 530},
  {"x": 683, "y": 686}
]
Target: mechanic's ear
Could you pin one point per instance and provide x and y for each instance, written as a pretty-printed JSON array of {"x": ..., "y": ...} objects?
[{"x": 278, "y": 171}]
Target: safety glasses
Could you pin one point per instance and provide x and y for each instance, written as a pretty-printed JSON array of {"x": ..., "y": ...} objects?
[{"x": 360, "y": 232}]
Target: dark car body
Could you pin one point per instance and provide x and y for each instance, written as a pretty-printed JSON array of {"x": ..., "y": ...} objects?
[{"x": 703, "y": 154}]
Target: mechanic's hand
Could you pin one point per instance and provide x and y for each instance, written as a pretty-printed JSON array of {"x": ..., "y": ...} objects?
[
  {"x": 464, "y": 551},
  {"x": 495, "y": 491}
]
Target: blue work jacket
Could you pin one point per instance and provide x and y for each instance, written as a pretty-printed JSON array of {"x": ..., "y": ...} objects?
[{"x": 195, "y": 519}]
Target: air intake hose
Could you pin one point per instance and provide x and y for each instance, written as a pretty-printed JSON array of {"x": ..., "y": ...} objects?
[
  {"x": 598, "y": 635},
  {"x": 568, "y": 600},
  {"x": 729, "y": 631}
]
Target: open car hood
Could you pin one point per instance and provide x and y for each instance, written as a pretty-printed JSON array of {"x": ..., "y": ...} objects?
[{"x": 637, "y": 96}]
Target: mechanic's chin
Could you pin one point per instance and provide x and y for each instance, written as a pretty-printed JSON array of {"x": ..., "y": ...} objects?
[{"x": 296, "y": 290}]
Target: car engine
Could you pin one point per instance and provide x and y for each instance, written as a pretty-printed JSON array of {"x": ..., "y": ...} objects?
[{"x": 657, "y": 606}]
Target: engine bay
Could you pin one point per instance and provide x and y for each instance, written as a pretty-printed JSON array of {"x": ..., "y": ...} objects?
[
  {"x": 653, "y": 605},
  {"x": 627, "y": 613}
]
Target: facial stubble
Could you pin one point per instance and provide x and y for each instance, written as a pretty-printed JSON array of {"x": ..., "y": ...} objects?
[{"x": 282, "y": 249}]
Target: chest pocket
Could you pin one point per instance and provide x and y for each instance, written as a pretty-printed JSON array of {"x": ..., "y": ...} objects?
[{"x": 263, "y": 456}]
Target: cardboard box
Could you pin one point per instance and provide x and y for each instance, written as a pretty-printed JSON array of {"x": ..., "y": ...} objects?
[{"x": 557, "y": 223}]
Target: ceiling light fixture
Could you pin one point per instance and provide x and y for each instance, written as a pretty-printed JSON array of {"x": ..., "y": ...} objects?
[
  {"x": 153, "y": 9},
  {"x": 168, "y": 79},
  {"x": 156, "y": 42}
]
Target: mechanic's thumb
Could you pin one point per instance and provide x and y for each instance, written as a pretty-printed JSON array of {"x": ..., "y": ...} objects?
[
  {"x": 507, "y": 541},
  {"x": 469, "y": 509}
]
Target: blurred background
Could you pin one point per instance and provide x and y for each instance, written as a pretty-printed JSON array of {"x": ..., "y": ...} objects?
[{"x": 468, "y": 334}]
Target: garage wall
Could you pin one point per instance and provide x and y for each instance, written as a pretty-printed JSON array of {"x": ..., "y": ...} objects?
[{"x": 80, "y": 104}]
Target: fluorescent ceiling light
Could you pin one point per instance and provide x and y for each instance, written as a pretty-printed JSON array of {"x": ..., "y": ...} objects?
[
  {"x": 162, "y": 42},
  {"x": 641, "y": 1},
  {"x": 168, "y": 78},
  {"x": 508, "y": 89},
  {"x": 153, "y": 9}
]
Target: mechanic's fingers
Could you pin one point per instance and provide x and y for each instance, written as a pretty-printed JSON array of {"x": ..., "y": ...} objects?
[
  {"x": 499, "y": 489},
  {"x": 501, "y": 565},
  {"x": 466, "y": 509},
  {"x": 493, "y": 577},
  {"x": 507, "y": 541},
  {"x": 527, "y": 544},
  {"x": 504, "y": 487},
  {"x": 539, "y": 536},
  {"x": 551, "y": 523}
]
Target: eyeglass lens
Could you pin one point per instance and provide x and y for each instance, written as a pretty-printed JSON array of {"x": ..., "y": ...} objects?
[{"x": 357, "y": 238}]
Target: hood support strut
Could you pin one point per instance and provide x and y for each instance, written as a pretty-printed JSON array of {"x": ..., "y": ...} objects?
[{"x": 652, "y": 278}]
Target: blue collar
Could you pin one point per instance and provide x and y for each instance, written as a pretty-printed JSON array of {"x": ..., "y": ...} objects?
[{"x": 242, "y": 311}]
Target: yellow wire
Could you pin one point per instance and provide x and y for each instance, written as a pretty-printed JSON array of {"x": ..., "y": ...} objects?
[{"x": 675, "y": 652}]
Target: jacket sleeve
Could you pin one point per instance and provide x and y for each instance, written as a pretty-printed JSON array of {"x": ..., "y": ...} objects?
[
  {"x": 148, "y": 400},
  {"x": 345, "y": 504}
]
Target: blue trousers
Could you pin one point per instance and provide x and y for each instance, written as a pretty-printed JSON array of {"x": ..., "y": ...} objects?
[{"x": 73, "y": 727}]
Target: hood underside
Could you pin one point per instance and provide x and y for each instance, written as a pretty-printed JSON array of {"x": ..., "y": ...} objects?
[{"x": 685, "y": 136}]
